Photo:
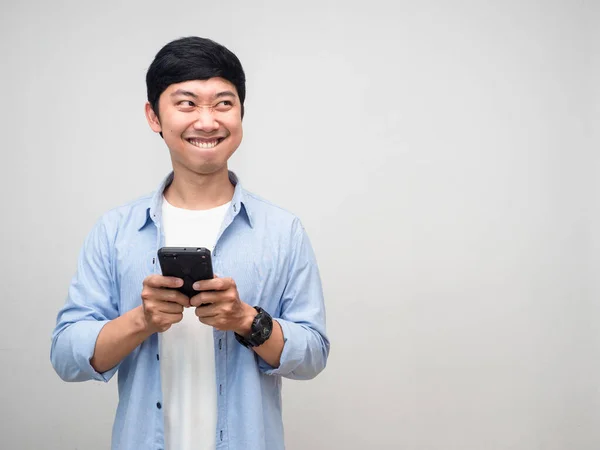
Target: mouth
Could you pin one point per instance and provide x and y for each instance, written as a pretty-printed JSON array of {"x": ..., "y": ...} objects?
[{"x": 205, "y": 143}]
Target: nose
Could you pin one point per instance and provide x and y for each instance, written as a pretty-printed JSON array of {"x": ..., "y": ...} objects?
[{"x": 206, "y": 121}]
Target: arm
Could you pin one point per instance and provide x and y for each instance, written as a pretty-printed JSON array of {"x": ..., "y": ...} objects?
[
  {"x": 269, "y": 351},
  {"x": 91, "y": 337},
  {"x": 298, "y": 347},
  {"x": 91, "y": 304},
  {"x": 161, "y": 307},
  {"x": 302, "y": 319},
  {"x": 224, "y": 310},
  {"x": 118, "y": 338}
]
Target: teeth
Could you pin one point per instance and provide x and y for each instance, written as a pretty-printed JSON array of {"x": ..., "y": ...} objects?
[{"x": 200, "y": 144}]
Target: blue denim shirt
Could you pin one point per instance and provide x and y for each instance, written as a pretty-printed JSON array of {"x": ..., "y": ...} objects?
[{"x": 265, "y": 250}]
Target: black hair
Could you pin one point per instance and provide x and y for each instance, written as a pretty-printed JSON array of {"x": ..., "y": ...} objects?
[{"x": 193, "y": 58}]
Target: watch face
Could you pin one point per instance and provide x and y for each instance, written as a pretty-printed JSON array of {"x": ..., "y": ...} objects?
[
  {"x": 264, "y": 327},
  {"x": 266, "y": 332}
]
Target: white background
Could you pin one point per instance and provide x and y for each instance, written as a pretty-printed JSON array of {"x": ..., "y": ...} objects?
[{"x": 442, "y": 155}]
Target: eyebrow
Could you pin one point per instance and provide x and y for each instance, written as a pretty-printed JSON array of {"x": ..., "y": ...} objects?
[
  {"x": 224, "y": 94},
  {"x": 185, "y": 93}
]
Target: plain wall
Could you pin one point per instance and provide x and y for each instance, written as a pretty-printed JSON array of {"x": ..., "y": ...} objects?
[
  {"x": 442, "y": 156},
  {"x": 592, "y": 210}
]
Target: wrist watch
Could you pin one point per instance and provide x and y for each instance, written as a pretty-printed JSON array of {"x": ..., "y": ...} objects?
[{"x": 261, "y": 329}]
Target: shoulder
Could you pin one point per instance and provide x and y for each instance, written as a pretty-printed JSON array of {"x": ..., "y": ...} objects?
[
  {"x": 267, "y": 214},
  {"x": 128, "y": 216}
]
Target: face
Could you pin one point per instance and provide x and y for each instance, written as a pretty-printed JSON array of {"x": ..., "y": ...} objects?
[{"x": 201, "y": 124}]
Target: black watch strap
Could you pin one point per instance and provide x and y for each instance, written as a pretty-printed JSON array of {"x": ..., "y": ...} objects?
[{"x": 261, "y": 329}]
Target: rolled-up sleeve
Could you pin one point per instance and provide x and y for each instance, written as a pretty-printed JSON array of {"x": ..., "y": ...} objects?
[
  {"x": 91, "y": 303},
  {"x": 302, "y": 318}
]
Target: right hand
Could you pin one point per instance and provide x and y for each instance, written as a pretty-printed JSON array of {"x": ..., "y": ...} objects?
[{"x": 162, "y": 303}]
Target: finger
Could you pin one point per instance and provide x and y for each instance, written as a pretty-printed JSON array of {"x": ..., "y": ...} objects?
[
  {"x": 204, "y": 298},
  {"x": 209, "y": 321},
  {"x": 160, "y": 281},
  {"x": 163, "y": 320},
  {"x": 205, "y": 312},
  {"x": 170, "y": 308},
  {"x": 168, "y": 319},
  {"x": 216, "y": 284},
  {"x": 177, "y": 318},
  {"x": 173, "y": 296}
]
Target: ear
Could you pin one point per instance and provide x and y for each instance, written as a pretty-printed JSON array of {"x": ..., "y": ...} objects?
[{"x": 152, "y": 118}]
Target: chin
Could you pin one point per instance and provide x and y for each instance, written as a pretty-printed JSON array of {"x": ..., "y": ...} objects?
[
  {"x": 208, "y": 168},
  {"x": 201, "y": 164}
]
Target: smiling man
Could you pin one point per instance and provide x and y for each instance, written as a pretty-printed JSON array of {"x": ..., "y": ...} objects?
[{"x": 191, "y": 376}]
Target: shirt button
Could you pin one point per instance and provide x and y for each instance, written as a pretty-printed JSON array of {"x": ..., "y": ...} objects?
[
  {"x": 234, "y": 207},
  {"x": 158, "y": 405},
  {"x": 219, "y": 344},
  {"x": 157, "y": 357},
  {"x": 220, "y": 389}
]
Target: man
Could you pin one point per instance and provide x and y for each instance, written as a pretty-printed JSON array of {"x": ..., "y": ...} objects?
[{"x": 190, "y": 376}]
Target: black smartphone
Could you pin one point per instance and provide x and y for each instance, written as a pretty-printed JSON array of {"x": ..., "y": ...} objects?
[{"x": 191, "y": 264}]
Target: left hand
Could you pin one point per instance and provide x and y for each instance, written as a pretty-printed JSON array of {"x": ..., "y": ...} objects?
[{"x": 225, "y": 311}]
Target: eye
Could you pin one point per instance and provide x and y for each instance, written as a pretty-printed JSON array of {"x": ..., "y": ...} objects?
[
  {"x": 186, "y": 104},
  {"x": 224, "y": 105}
]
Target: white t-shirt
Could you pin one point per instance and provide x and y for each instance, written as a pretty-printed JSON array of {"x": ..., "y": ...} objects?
[{"x": 187, "y": 358}]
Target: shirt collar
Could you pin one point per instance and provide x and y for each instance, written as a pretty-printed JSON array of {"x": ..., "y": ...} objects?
[{"x": 153, "y": 210}]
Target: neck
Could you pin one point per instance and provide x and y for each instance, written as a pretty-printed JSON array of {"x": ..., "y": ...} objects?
[{"x": 190, "y": 190}]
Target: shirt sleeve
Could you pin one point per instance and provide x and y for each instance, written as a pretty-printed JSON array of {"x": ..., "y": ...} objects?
[
  {"x": 91, "y": 303},
  {"x": 302, "y": 319}
]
